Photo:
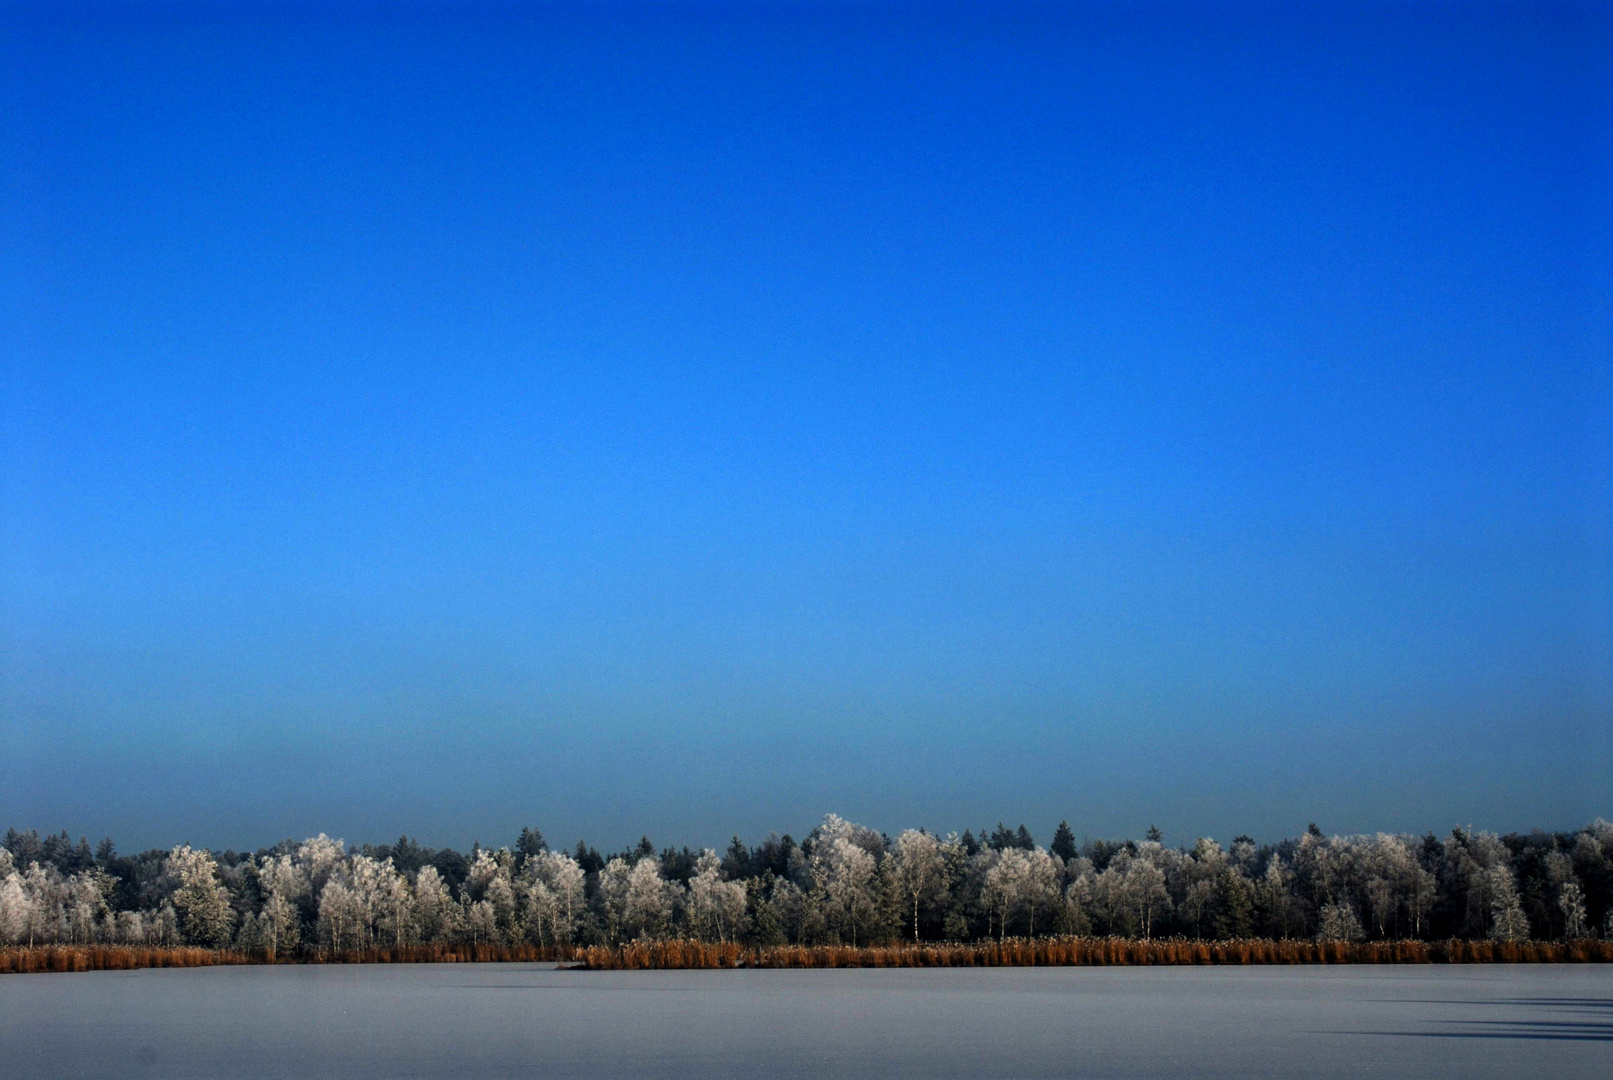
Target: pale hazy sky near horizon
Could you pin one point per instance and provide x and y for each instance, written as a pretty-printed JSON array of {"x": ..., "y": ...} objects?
[{"x": 691, "y": 420}]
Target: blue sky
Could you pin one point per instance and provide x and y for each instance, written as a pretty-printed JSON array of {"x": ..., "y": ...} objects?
[{"x": 694, "y": 419}]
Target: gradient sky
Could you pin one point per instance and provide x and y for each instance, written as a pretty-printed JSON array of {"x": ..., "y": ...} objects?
[{"x": 693, "y": 420}]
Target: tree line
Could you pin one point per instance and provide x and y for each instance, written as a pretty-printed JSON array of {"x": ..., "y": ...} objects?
[{"x": 843, "y": 884}]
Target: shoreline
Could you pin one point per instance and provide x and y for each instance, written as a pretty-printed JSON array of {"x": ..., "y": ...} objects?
[{"x": 697, "y": 955}]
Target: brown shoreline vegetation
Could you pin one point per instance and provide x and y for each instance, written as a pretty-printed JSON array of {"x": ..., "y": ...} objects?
[{"x": 691, "y": 955}]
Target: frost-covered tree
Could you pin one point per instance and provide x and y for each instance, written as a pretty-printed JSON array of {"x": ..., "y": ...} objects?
[
  {"x": 436, "y": 916},
  {"x": 85, "y": 896},
  {"x": 1234, "y": 914},
  {"x": 1039, "y": 888},
  {"x": 163, "y": 927},
  {"x": 1193, "y": 881},
  {"x": 638, "y": 901},
  {"x": 716, "y": 908},
  {"x": 1470, "y": 858},
  {"x": 843, "y": 873},
  {"x": 848, "y": 885},
  {"x": 1110, "y": 903},
  {"x": 834, "y": 827},
  {"x": 650, "y": 901},
  {"x": 1243, "y": 856},
  {"x": 1274, "y": 904},
  {"x": 612, "y": 896},
  {"x": 918, "y": 870},
  {"x": 14, "y": 914},
  {"x": 1422, "y": 892},
  {"x": 205, "y": 915},
  {"x": 481, "y": 919},
  {"x": 1197, "y": 902},
  {"x": 1078, "y": 900},
  {"x": 1571, "y": 899},
  {"x": 366, "y": 879},
  {"x": 318, "y": 858},
  {"x": 339, "y": 916},
  {"x": 1002, "y": 875},
  {"x": 1508, "y": 922},
  {"x": 394, "y": 907},
  {"x": 1145, "y": 888},
  {"x": 780, "y": 909},
  {"x": 279, "y": 875},
  {"x": 42, "y": 890},
  {"x": 1592, "y": 857},
  {"x": 1339, "y": 922},
  {"x": 279, "y": 928},
  {"x": 490, "y": 880},
  {"x": 1014, "y": 882},
  {"x": 129, "y": 928},
  {"x": 553, "y": 889},
  {"x": 1385, "y": 863}
]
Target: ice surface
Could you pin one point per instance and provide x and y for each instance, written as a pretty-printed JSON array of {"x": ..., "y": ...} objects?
[{"x": 517, "y": 1020}]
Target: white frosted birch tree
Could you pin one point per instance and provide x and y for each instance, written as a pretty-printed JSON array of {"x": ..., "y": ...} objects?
[
  {"x": 918, "y": 869},
  {"x": 1508, "y": 922},
  {"x": 1040, "y": 887},
  {"x": 650, "y": 900},
  {"x": 553, "y": 889},
  {"x": 716, "y": 908},
  {"x": 848, "y": 884},
  {"x": 435, "y": 913}
]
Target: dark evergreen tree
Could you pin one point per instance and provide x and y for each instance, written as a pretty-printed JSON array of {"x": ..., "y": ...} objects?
[
  {"x": 589, "y": 859},
  {"x": 1595, "y": 870},
  {"x": 773, "y": 856},
  {"x": 736, "y": 861},
  {"x": 58, "y": 851},
  {"x": 1063, "y": 846},
  {"x": 1102, "y": 852},
  {"x": 530, "y": 843},
  {"x": 1235, "y": 907},
  {"x": 679, "y": 865},
  {"x": 25, "y": 847},
  {"x": 451, "y": 865},
  {"x": 408, "y": 856}
]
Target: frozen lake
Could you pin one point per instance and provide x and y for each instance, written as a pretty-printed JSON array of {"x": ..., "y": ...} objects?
[{"x": 518, "y": 1020}]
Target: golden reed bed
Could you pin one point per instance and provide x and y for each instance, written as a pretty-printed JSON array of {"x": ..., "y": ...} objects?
[
  {"x": 1092, "y": 952},
  {"x": 1042, "y": 952},
  {"x": 126, "y": 957}
]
